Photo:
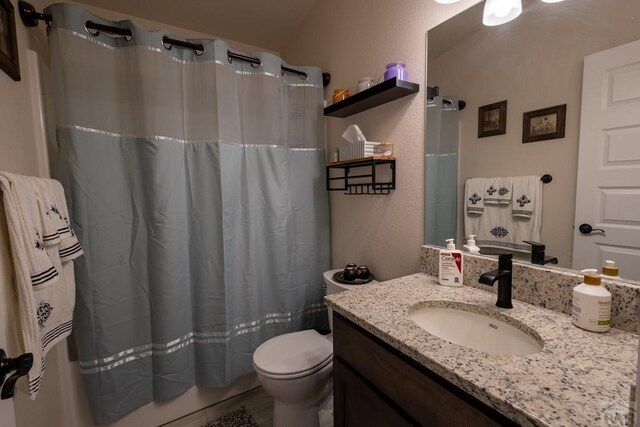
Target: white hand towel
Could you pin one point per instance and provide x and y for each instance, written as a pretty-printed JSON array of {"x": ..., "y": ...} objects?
[
  {"x": 474, "y": 196},
  {"x": 69, "y": 247},
  {"x": 19, "y": 193},
  {"x": 498, "y": 227},
  {"x": 49, "y": 217},
  {"x": 527, "y": 192},
  {"x": 497, "y": 190},
  {"x": 45, "y": 302}
]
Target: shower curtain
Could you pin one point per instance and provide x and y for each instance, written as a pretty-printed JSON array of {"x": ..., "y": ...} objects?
[
  {"x": 196, "y": 189},
  {"x": 441, "y": 170}
]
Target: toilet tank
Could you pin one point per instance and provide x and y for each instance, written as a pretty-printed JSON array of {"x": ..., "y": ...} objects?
[{"x": 333, "y": 287}]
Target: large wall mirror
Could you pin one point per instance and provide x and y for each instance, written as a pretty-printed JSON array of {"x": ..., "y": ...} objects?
[{"x": 533, "y": 62}]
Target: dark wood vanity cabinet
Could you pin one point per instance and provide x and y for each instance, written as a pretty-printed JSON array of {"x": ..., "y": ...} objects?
[{"x": 376, "y": 385}]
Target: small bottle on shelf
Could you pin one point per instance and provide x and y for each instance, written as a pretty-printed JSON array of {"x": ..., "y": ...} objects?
[{"x": 335, "y": 155}]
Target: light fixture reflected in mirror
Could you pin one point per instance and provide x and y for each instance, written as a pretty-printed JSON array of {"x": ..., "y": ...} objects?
[{"x": 497, "y": 12}]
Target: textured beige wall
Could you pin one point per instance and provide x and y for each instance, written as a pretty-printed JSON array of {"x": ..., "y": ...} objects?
[
  {"x": 61, "y": 401},
  {"x": 356, "y": 38},
  {"x": 533, "y": 62},
  {"x": 19, "y": 153}
]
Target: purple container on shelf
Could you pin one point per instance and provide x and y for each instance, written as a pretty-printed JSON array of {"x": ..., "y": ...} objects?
[{"x": 396, "y": 69}]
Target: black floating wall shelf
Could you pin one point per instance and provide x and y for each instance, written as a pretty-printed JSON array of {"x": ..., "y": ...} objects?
[
  {"x": 366, "y": 180},
  {"x": 379, "y": 94}
]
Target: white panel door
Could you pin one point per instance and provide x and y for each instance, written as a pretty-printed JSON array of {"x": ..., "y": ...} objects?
[{"x": 608, "y": 192}]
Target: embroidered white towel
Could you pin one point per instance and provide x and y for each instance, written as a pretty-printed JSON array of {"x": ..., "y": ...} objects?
[
  {"x": 498, "y": 227},
  {"x": 45, "y": 302},
  {"x": 69, "y": 247},
  {"x": 47, "y": 210},
  {"x": 527, "y": 192},
  {"x": 29, "y": 258},
  {"x": 474, "y": 196},
  {"x": 19, "y": 192},
  {"x": 497, "y": 190}
]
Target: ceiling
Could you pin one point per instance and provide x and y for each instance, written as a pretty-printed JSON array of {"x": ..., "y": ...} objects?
[{"x": 269, "y": 24}]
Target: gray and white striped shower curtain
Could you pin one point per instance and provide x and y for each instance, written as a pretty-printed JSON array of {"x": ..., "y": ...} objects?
[{"x": 196, "y": 186}]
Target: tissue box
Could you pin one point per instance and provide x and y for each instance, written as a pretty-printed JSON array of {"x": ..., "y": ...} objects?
[
  {"x": 358, "y": 150},
  {"x": 359, "y": 147}
]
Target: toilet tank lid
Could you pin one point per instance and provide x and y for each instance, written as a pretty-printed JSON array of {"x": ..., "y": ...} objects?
[{"x": 293, "y": 353}]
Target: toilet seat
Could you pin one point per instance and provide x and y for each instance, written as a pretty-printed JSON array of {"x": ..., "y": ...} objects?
[{"x": 293, "y": 355}]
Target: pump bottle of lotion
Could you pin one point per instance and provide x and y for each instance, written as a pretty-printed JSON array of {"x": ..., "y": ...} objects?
[
  {"x": 610, "y": 270},
  {"x": 450, "y": 266},
  {"x": 591, "y": 308}
]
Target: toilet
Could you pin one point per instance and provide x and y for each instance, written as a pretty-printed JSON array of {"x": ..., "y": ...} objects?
[{"x": 296, "y": 369}]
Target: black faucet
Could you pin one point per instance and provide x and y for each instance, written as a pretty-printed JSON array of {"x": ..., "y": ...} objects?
[
  {"x": 503, "y": 276},
  {"x": 537, "y": 254}
]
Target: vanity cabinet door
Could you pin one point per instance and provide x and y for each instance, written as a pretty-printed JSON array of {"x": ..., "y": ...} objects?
[
  {"x": 416, "y": 392},
  {"x": 358, "y": 404}
]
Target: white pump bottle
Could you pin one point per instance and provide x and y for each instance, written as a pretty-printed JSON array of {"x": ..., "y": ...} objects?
[
  {"x": 471, "y": 245},
  {"x": 591, "y": 308}
]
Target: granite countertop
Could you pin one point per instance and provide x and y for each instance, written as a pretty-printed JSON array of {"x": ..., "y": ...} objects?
[{"x": 580, "y": 378}]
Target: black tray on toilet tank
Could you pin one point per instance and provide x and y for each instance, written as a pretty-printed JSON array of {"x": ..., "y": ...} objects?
[{"x": 338, "y": 277}]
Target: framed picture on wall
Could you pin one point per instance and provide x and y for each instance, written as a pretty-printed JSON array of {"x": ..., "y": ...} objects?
[
  {"x": 8, "y": 41},
  {"x": 492, "y": 119},
  {"x": 547, "y": 123}
]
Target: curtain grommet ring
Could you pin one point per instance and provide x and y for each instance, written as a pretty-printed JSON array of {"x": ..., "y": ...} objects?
[
  {"x": 92, "y": 32},
  {"x": 200, "y": 52},
  {"x": 258, "y": 65},
  {"x": 167, "y": 46},
  {"x": 304, "y": 77},
  {"x": 111, "y": 32}
]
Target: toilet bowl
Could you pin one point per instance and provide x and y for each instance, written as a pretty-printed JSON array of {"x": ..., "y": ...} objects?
[{"x": 296, "y": 369}]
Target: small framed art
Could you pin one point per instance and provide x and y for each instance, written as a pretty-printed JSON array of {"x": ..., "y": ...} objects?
[
  {"x": 492, "y": 119},
  {"x": 8, "y": 41},
  {"x": 544, "y": 124}
]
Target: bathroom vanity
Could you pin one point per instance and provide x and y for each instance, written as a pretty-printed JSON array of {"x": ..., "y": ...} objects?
[
  {"x": 376, "y": 385},
  {"x": 390, "y": 371}
]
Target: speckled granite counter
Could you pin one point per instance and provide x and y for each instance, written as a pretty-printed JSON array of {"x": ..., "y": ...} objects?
[
  {"x": 580, "y": 378},
  {"x": 545, "y": 286}
]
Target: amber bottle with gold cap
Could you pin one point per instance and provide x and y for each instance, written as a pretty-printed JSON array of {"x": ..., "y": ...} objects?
[{"x": 591, "y": 308}]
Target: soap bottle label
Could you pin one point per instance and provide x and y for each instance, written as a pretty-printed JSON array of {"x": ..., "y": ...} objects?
[
  {"x": 451, "y": 268},
  {"x": 593, "y": 317}
]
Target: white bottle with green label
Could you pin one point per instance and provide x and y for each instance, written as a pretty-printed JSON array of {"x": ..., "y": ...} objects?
[
  {"x": 450, "y": 265},
  {"x": 591, "y": 309}
]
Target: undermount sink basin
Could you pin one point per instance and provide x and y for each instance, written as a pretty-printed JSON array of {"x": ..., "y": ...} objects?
[{"x": 480, "y": 332}]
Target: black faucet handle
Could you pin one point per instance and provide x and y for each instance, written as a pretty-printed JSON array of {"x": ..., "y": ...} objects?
[
  {"x": 537, "y": 253},
  {"x": 535, "y": 246},
  {"x": 504, "y": 261}
]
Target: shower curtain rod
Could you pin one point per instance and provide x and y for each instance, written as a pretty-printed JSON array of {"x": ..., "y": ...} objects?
[
  {"x": 30, "y": 18},
  {"x": 433, "y": 91},
  {"x": 546, "y": 178}
]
